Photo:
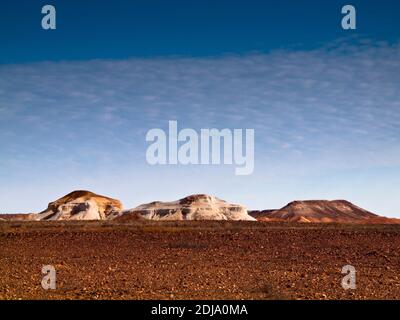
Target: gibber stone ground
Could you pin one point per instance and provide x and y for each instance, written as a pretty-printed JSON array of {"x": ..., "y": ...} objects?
[{"x": 198, "y": 260}]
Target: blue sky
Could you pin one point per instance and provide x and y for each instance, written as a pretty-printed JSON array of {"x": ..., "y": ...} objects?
[{"x": 76, "y": 103}]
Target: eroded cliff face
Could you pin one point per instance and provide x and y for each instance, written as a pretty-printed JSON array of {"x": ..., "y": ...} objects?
[
  {"x": 80, "y": 205},
  {"x": 194, "y": 207},
  {"x": 86, "y": 205}
]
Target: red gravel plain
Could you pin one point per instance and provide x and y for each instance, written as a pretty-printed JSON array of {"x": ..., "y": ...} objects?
[{"x": 198, "y": 260}]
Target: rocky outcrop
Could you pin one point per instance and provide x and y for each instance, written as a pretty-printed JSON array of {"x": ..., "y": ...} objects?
[
  {"x": 340, "y": 211},
  {"x": 85, "y": 205},
  {"x": 195, "y": 207},
  {"x": 80, "y": 205}
]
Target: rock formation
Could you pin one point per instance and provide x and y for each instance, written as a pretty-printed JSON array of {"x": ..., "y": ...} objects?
[
  {"x": 340, "y": 211},
  {"x": 80, "y": 205},
  {"x": 85, "y": 205},
  {"x": 194, "y": 207}
]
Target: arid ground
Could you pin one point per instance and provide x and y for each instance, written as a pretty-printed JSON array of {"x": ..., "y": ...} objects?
[{"x": 198, "y": 260}]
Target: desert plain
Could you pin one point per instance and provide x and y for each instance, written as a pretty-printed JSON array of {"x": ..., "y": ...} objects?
[{"x": 198, "y": 260}]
